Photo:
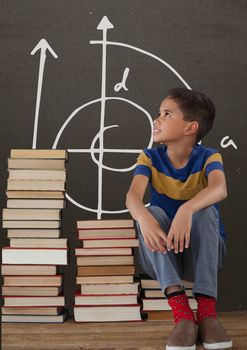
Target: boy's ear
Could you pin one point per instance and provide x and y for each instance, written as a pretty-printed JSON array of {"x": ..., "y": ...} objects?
[{"x": 192, "y": 128}]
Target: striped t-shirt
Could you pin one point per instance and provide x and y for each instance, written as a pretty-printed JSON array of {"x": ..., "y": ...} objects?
[{"x": 171, "y": 187}]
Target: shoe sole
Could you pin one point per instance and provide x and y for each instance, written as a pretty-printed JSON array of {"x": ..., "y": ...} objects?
[
  {"x": 218, "y": 346},
  {"x": 171, "y": 347}
]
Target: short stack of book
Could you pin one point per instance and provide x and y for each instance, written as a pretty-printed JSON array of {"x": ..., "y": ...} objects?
[
  {"x": 32, "y": 287},
  {"x": 105, "y": 272},
  {"x": 155, "y": 304}
]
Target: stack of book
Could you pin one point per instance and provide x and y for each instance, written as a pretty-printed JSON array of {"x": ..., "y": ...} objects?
[
  {"x": 32, "y": 287},
  {"x": 105, "y": 272},
  {"x": 155, "y": 304}
]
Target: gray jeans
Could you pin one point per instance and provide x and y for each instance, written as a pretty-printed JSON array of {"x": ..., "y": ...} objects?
[{"x": 199, "y": 263}]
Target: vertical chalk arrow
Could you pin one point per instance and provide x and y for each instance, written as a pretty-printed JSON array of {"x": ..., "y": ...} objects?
[
  {"x": 42, "y": 46},
  {"x": 104, "y": 25}
]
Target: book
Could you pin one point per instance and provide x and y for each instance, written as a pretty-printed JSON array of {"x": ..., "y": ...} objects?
[
  {"x": 105, "y": 224},
  {"x": 36, "y": 203},
  {"x": 33, "y": 233},
  {"x": 49, "y": 164},
  {"x": 106, "y": 233},
  {"x": 31, "y": 214},
  {"x": 30, "y": 291},
  {"x": 35, "y": 185},
  {"x": 107, "y": 313},
  {"x": 102, "y": 251},
  {"x": 105, "y": 270},
  {"x": 110, "y": 243},
  {"x": 104, "y": 279},
  {"x": 39, "y": 153},
  {"x": 27, "y": 310},
  {"x": 31, "y": 224},
  {"x": 32, "y": 270},
  {"x": 110, "y": 288},
  {"x": 34, "y": 318},
  {"x": 154, "y": 284},
  {"x": 35, "y": 256},
  {"x": 32, "y": 281},
  {"x": 162, "y": 304},
  {"x": 163, "y": 315},
  {"x": 35, "y": 194},
  {"x": 33, "y": 301},
  {"x": 38, "y": 242},
  {"x": 29, "y": 174},
  {"x": 119, "y": 299},
  {"x": 153, "y": 293},
  {"x": 104, "y": 260}
]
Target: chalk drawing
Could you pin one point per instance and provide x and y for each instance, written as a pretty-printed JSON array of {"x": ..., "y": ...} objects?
[
  {"x": 42, "y": 46},
  {"x": 224, "y": 143},
  {"x": 122, "y": 85}
]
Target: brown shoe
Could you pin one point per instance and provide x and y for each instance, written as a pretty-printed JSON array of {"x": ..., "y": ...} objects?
[
  {"x": 183, "y": 336},
  {"x": 213, "y": 334}
]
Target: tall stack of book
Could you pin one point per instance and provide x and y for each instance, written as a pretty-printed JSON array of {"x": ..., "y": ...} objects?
[
  {"x": 105, "y": 272},
  {"x": 32, "y": 287},
  {"x": 155, "y": 304}
]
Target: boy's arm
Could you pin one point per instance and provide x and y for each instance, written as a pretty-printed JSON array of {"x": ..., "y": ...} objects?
[
  {"x": 154, "y": 236},
  {"x": 179, "y": 234}
]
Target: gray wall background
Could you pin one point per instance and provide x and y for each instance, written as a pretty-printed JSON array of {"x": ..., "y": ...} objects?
[{"x": 205, "y": 41}]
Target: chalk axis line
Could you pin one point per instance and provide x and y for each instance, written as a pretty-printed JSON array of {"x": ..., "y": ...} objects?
[{"x": 104, "y": 25}]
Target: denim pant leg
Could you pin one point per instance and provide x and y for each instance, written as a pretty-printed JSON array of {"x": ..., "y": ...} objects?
[
  {"x": 166, "y": 268},
  {"x": 204, "y": 257}
]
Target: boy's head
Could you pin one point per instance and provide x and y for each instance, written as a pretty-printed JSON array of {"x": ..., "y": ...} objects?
[{"x": 195, "y": 106}]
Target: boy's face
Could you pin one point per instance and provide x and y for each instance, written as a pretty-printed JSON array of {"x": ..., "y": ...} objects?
[{"x": 170, "y": 125}]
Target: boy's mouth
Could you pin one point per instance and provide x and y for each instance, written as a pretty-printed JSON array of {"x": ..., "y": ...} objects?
[{"x": 155, "y": 131}]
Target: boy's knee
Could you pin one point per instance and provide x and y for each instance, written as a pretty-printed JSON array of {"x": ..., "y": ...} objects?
[
  {"x": 206, "y": 215},
  {"x": 206, "y": 221}
]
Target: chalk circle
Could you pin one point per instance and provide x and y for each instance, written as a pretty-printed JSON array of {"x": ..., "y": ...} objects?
[{"x": 73, "y": 114}]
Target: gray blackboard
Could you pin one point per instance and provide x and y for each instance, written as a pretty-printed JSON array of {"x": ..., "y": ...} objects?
[{"x": 152, "y": 46}]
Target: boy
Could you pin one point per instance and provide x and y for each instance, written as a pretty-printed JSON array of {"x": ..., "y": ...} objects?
[{"x": 181, "y": 235}]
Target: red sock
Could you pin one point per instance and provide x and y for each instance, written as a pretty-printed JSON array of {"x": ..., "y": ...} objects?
[
  {"x": 205, "y": 307},
  {"x": 180, "y": 308}
]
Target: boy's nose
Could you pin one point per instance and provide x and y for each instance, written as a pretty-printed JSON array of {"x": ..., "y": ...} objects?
[{"x": 156, "y": 120}]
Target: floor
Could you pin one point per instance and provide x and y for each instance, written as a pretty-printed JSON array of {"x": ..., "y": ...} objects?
[{"x": 108, "y": 336}]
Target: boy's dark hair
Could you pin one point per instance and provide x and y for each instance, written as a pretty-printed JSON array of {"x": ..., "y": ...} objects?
[{"x": 195, "y": 106}]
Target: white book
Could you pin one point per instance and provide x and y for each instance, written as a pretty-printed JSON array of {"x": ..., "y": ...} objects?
[
  {"x": 34, "y": 233},
  {"x": 34, "y": 301},
  {"x": 37, "y": 174},
  {"x": 31, "y": 214},
  {"x": 104, "y": 260},
  {"x": 39, "y": 153},
  {"x": 31, "y": 270},
  {"x": 34, "y": 256},
  {"x": 162, "y": 304},
  {"x": 38, "y": 242},
  {"x": 107, "y": 314},
  {"x": 31, "y": 224},
  {"x": 34, "y": 318},
  {"x": 21, "y": 163},
  {"x": 102, "y": 251},
  {"x": 110, "y": 288},
  {"x": 36, "y": 203},
  {"x": 106, "y": 299},
  {"x": 35, "y": 185},
  {"x": 104, "y": 279}
]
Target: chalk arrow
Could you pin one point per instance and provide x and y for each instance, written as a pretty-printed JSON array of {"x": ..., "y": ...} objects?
[
  {"x": 42, "y": 46},
  {"x": 105, "y": 24}
]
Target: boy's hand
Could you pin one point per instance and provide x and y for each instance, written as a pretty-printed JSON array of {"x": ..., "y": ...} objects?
[
  {"x": 179, "y": 234},
  {"x": 154, "y": 236}
]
